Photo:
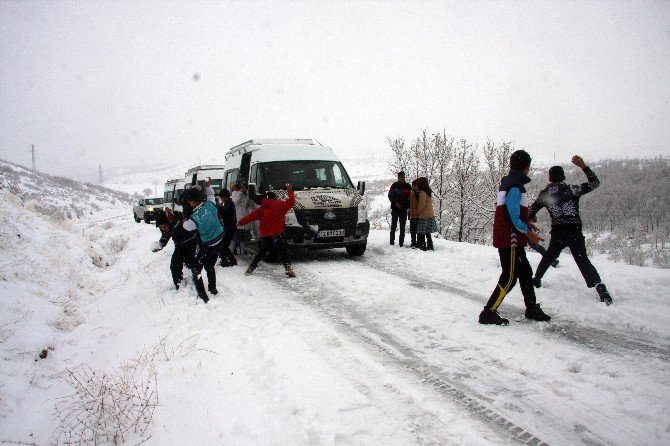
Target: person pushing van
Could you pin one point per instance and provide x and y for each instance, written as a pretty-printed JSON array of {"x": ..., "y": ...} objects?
[{"x": 271, "y": 214}]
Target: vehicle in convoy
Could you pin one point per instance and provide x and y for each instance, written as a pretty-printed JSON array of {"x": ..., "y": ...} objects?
[
  {"x": 172, "y": 194},
  {"x": 196, "y": 176},
  {"x": 329, "y": 211},
  {"x": 145, "y": 209}
]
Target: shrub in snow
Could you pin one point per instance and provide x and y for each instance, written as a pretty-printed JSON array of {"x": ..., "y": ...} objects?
[
  {"x": 117, "y": 244},
  {"x": 107, "y": 407}
]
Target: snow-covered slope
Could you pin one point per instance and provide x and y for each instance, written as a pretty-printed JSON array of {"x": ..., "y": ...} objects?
[{"x": 381, "y": 349}]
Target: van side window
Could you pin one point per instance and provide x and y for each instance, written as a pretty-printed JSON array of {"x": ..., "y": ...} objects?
[
  {"x": 231, "y": 177},
  {"x": 252, "y": 173}
]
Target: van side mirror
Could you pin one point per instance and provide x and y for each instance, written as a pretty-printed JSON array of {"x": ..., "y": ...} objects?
[{"x": 361, "y": 187}]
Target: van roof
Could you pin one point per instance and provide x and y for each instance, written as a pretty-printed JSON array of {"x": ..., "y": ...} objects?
[
  {"x": 205, "y": 167},
  {"x": 245, "y": 146}
]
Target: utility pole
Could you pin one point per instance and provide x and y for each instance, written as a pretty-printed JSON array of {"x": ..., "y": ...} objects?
[
  {"x": 32, "y": 151},
  {"x": 100, "y": 174}
]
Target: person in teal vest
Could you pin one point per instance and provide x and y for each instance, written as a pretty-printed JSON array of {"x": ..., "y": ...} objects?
[{"x": 205, "y": 220}]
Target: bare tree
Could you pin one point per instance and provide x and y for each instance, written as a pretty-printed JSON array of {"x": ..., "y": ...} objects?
[
  {"x": 401, "y": 157},
  {"x": 466, "y": 185},
  {"x": 442, "y": 154},
  {"x": 148, "y": 191}
]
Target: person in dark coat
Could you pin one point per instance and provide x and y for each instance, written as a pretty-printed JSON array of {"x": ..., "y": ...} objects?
[
  {"x": 271, "y": 214},
  {"x": 412, "y": 214},
  {"x": 205, "y": 221},
  {"x": 228, "y": 214},
  {"x": 170, "y": 225},
  {"x": 562, "y": 203},
  {"x": 511, "y": 230},
  {"x": 399, "y": 197}
]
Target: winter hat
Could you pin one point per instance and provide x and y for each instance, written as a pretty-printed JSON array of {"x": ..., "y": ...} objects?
[
  {"x": 224, "y": 193},
  {"x": 271, "y": 195},
  {"x": 556, "y": 174},
  {"x": 241, "y": 183},
  {"x": 193, "y": 194},
  {"x": 401, "y": 173},
  {"x": 161, "y": 218},
  {"x": 520, "y": 160}
]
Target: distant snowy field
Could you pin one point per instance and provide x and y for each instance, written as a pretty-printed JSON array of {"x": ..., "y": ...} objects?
[{"x": 384, "y": 349}]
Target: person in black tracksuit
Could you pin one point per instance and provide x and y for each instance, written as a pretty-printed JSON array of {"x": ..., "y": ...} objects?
[
  {"x": 399, "y": 197},
  {"x": 185, "y": 243},
  {"x": 227, "y": 212},
  {"x": 562, "y": 203}
]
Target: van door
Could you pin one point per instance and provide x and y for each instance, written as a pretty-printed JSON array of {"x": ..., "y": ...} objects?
[{"x": 244, "y": 166}]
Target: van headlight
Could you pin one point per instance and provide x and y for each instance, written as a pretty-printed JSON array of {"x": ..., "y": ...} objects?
[
  {"x": 291, "y": 219},
  {"x": 362, "y": 212},
  {"x": 150, "y": 208}
]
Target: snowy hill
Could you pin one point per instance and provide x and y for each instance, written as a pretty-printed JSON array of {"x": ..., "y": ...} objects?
[{"x": 382, "y": 349}]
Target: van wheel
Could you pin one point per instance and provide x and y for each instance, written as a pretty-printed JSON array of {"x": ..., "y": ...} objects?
[
  {"x": 137, "y": 220},
  {"x": 147, "y": 220},
  {"x": 356, "y": 250}
]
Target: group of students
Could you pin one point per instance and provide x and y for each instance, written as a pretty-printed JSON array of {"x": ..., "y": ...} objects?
[
  {"x": 211, "y": 227},
  {"x": 416, "y": 203},
  {"x": 514, "y": 228}
]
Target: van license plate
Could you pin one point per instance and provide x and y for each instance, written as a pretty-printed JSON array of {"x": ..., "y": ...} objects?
[{"x": 332, "y": 233}]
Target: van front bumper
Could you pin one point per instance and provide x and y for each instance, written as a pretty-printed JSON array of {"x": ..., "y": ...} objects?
[{"x": 298, "y": 237}]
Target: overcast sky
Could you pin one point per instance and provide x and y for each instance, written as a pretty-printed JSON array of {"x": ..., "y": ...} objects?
[{"x": 121, "y": 83}]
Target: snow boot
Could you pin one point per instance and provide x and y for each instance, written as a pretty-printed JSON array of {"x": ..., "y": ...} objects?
[
  {"x": 213, "y": 290},
  {"x": 488, "y": 317},
  {"x": 289, "y": 271},
  {"x": 535, "y": 313},
  {"x": 604, "y": 294},
  {"x": 200, "y": 288},
  {"x": 537, "y": 283},
  {"x": 249, "y": 271}
]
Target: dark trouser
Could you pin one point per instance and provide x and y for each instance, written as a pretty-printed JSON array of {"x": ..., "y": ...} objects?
[
  {"x": 538, "y": 248},
  {"x": 572, "y": 238},
  {"x": 206, "y": 258},
  {"x": 425, "y": 241},
  {"x": 398, "y": 215},
  {"x": 184, "y": 254},
  {"x": 276, "y": 243},
  {"x": 225, "y": 252},
  {"x": 514, "y": 265},
  {"x": 413, "y": 223}
]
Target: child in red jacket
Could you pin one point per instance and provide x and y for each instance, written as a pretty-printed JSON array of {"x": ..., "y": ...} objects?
[{"x": 271, "y": 214}]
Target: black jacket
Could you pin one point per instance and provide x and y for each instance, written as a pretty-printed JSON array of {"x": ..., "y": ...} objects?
[
  {"x": 227, "y": 212},
  {"x": 180, "y": 236},
  {"x": 399, "y": 193},
  {"x": 562, "y": 201}
]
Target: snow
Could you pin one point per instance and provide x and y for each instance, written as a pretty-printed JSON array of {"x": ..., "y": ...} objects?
[{"x": 381, "y": 349}]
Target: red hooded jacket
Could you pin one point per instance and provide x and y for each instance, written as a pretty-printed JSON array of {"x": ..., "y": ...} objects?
[{"x": 271, "y": 215}]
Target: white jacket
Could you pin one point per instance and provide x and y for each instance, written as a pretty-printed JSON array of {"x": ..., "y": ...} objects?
[{"x": 243, "y": 205}]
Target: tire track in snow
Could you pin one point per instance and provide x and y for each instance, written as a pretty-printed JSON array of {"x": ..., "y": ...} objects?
[
  {"x": 607, "y": 341},
  {"x": 356, "y": 324}
]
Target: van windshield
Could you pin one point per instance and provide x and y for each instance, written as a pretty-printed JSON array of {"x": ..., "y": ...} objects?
[
  {"x": 302, "y": 175},
  {"x": 153, "y": 201}
]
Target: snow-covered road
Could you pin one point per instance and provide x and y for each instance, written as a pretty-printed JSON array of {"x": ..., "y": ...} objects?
[{"x": 381, "y": 349}]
